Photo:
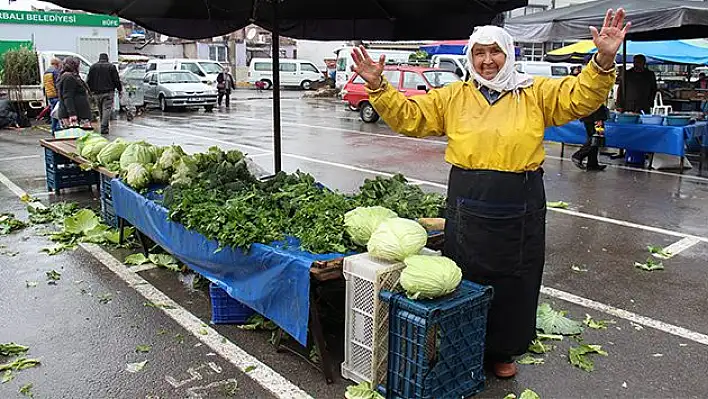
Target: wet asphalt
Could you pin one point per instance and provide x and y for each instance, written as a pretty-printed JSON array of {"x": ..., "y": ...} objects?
[{"x": 84, "y": 344}]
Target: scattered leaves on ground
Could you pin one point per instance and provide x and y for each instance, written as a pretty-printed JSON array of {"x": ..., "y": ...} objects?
[
  {"x": 179, "y": 338},
  {"x": 538, "y": 347},
  {"x": 161, "y": 332},
  {"x": 53, "y": 276},
  {"x": 557, "y": 204},
  {"x": 528, "y": 359},
  {"x": 578, "y": 356},
  {"x": 54, "y": 213},
  {"x": 8, "y": 223},
  {"x": 165, "y": 260},
  {"x": 248, "y": 369},
  {"x": 551, "y": 321},
  {"x": 136, "y": 259},
  {"x": 650, "y": 265},
  {"x": 143, "y": 348},
  {"x": 231, "y": 388},
  {"x": 105, "y": 298},
  {"x": 597, "y": 324},
  {"x": 636, "y": 326},
  {"x": 578, "y": 269},
  {"x": 158, "y": 305},
  {"x": 546, "y": 337},
  {"x": 7, "y": 376},
  {"x": 258, "y": 322},
  {"x": 20, "y": 363},
  {"x": 203, "y": 331},
  {"x": 659, "y": 252},
  {"x": 12, "y": 349},
  {"x": 26, "y": 390},
  {"x": 31, "y": 284},
  {"x": 135, "y": 367},
  {"x": 526, "y": 394}
]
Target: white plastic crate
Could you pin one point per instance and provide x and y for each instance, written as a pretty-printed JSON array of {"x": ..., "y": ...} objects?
[{"x": 366, "y": 335}]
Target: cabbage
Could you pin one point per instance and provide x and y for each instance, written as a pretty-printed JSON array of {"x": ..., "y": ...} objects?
[
  {"x": 138, "y": 152},
  {"x": 170, "y": 156},
  {"x": 81, "y": 141},
  {"x": 362, "y": 391},
  {"x": 361, "y": 222},
  {"x": 159, "y": 175},
  {"x": 185, "y": 171},
  {"x": 93, "y": 147},
  {"x": 396, "y": 239},
  {"x": 112, "y": 152},
  {"x": 138, "y": 176},
  {"x": 430, "y": 276}
]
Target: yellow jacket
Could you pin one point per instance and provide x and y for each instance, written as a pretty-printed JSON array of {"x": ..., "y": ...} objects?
[
  {"x": 50, "y": 89},
  {"x": 506, "y": 136}
]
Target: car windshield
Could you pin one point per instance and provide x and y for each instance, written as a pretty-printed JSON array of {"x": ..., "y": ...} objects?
[
  {"x": 211, "y": 67},
  {"x": 440, "y": 78},
  {"x": 178, "y": 77}
]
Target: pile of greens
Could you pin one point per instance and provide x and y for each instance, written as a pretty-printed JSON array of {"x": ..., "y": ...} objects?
[{"x": 215, "y": 194}]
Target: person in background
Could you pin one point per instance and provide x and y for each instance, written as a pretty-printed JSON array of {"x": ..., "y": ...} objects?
[
  {"x": 641, "y": 88},
  {"x": 702, "y": 82},
  {"x": 495, "y": 218},
  {"x": 74, "y": 107},
  {"x": 8, "y": 116},
  {"x": 224, "y": 84},
  {"x": 103, "y": 80},
  {"x": 594, "y": 123},
  {"x": 50, "y": 81}
]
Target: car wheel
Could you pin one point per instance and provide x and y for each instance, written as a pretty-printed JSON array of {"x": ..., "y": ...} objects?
[
  {"x": 163, "y": 104},
  {"x": 368, "y": 113},
  {"x": 306, "y": 85},
  {"x": 209, "y": 108},
  {"x": 268, "y": 84}
]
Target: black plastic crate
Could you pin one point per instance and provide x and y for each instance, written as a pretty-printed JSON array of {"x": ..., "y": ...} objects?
[
  {"x": 108, "y": 213},
  {"x": 62, "y": 172},
  {"x": 106, "y": 186}
]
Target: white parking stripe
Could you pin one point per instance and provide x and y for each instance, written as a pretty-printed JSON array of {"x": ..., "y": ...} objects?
[
  {"x": 627, "y": 315},
  {"x": 18, "y": 158},
  {"x": 678, "y": 247}
]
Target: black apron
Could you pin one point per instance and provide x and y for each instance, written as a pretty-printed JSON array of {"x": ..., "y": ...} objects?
[{"x": 496, "y": 232}]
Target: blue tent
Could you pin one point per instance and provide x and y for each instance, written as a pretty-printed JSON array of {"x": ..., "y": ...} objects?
[
  {"x": 451, "y": 47},
  {"x": 670, "y": 51}
]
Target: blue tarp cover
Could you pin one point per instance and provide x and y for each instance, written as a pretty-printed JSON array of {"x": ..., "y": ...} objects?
[
  {"x": 669, "y": 51},
  {"x": 273, "y": 280},
  {"x": 670, "y": 140}
]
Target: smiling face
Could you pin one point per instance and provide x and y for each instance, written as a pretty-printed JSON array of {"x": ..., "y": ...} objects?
[{"x": 488, "y": 60}]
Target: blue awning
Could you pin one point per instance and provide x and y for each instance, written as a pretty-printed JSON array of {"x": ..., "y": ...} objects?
[
  {"x": 669, "y": 51},
  {"x": 451, "y": 47}
]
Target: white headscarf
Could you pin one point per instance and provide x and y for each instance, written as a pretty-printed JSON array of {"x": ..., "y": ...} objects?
[{"x": 508, "y": 78}]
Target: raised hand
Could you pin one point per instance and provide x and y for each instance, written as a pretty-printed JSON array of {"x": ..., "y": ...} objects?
[
  {"x": 368, "y": 69},
  {"x": 610, "y": 37}
]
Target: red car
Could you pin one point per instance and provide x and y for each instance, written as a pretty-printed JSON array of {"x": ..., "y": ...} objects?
[{"x": 407, "y": 79}]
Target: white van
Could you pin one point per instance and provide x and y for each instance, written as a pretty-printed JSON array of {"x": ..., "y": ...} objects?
[
  {"x": 545, "y": 69},
  {"x": 206, "y": 70},
  {"x": 345, "y": 61},
  {"x": 302, "y": 73},
  {"x": 455, "y": 63}
]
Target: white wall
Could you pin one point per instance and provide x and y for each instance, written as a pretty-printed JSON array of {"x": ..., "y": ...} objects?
[
  {"x": 62, "y": 38},
  {"x": 163, "y": 50}
]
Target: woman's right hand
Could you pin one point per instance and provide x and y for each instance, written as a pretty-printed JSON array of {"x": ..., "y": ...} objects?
[{"x": 368, "y": 69}]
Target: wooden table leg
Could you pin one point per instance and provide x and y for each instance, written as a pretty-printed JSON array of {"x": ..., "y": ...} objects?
[
  {"x": 562, "y": 149},
  {"x": 121, "y": 230},
  {"x": 320, "y": 344}
]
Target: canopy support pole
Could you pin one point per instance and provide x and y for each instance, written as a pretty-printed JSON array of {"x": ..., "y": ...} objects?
[
  {"x": 624, "y": 73},
  {"x": 277, "y": 156}
]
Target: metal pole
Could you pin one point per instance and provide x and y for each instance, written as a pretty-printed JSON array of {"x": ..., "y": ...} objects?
[
  {"x": 624, "y": 75},
  {"x": 276, "y": 88}
]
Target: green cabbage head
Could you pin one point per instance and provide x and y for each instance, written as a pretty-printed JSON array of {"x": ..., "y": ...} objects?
[
  {"x": 81, "y": 141},
  {"x": 360, "y": 223},
  {"x": 396, "y": 239},
  {"x": 159, "y": 175},
  {"x": 428, "y": 277},
  {"x": 112, "y": 152},
  {"x": 138, "y": 176},
  {"x": 170, "y": 156},
  {"x": 138, "y": 152},
  {"x": 90, "y": 145}
]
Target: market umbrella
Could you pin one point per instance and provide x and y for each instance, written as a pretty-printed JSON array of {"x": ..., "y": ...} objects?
[
  {"x": 458, "y": 47},
  {"x": 304, "y": 19},
  {"x": 651, "y": 20}
]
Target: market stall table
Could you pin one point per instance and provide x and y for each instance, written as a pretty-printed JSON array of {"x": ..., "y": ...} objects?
[{"x": 670, "y": 140}]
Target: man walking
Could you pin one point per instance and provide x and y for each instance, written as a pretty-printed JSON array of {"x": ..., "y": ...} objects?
[
  {"x": 103, "y": 80},
  {"x": 50, "y": 80}
]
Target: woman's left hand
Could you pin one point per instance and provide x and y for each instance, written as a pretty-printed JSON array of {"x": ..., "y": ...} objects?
[{"x": 609, "y": 39}]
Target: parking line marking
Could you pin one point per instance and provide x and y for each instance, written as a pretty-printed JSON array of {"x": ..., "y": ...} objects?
[
  {"x": 12, "y": 186},
  {"x": 142, "y": 268},
  {"x": 678, "y": 247},
  {"x": 18, "y": 158},
  {"x": 627, "y": 315},
  {"x": 444, "y": 186}
]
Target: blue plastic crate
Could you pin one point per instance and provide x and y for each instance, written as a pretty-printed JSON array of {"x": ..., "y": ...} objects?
[
  {"x": 106, "y": 187},
  {"x": 108, "y": 213},
  {"x": 227, "y": 310},
  {"x": 62, "y": 172},
  {"x": 436, "y": 347}
]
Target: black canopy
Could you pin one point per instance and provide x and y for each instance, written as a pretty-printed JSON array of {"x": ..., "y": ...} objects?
[
  {"x": 304, "y": 19},
  {"x": 651, "y": 20},
  {"x": 307, "y": 19}
]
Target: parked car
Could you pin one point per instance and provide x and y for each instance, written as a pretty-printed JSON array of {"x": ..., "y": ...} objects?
[
  {"x": 409, "y": 80},
  {"x": 300, "y": 73},
  {"x": 206, "y": 70},
  {"x": 545, "y": 69},
  {"x": 450, "y": 62},
  {"x": 170, "y": 89}
]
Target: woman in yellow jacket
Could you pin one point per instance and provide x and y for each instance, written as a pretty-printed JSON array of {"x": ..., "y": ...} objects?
[{"x": 496, "y": 205}]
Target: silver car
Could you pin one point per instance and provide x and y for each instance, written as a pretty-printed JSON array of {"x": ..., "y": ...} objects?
[{"x": 172, "y": 89}]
